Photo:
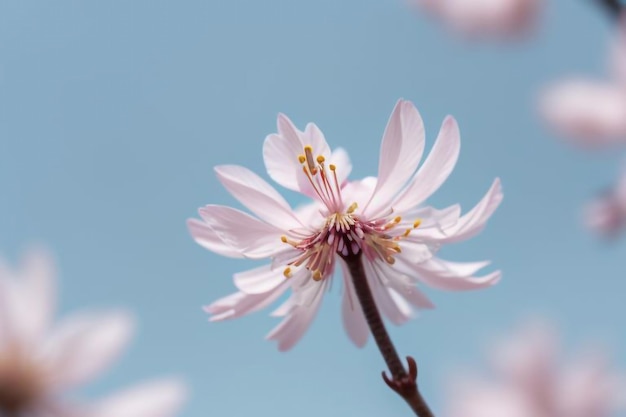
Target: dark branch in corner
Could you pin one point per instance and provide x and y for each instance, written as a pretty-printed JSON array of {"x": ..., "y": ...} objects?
[{"x": 614, "y": 7}]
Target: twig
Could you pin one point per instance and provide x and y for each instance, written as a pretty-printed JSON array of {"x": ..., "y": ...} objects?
[{"x": 403, "y": 383}]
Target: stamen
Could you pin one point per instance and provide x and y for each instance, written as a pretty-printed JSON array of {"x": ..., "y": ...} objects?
[
  {"x": 393, "y": 223},
  {"x": 287, "y": 273},
  {"x": 301, "y": 158},
  {"x": 317, "y": 275},
  {"x": 390, "y": 260},
  {"x": 320, "y": 159},
  {"x": 352, "y": 207},
  {"x": 285, "y": 239},
  {"x": 417, "y": 223},
  {"x": 332, "y": 167},
  {"x": 308, "y": 152}
]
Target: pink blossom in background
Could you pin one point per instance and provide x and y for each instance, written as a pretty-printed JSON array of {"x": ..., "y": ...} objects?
[
  {"x": 529, "y": 378},
  {"x": 484, "y": 18},
  {"x": 606, "y": 215},
  {"x": 591, "y": 112},
  {"x": 41, "y": 361},
  {"x": 380, "y": 218}
]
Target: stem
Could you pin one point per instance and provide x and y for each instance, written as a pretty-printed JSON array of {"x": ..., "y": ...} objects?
[
  {"x": 403, "y": 383},
  {"x": 614, "y": 7}
]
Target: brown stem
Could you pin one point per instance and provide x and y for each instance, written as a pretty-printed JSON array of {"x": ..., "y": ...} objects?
[{"x": 403, "y": 383}]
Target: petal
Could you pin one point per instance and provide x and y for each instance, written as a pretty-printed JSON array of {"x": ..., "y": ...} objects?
[
  {"x": 400, "y": 152},
  {"x": 253, "y": 238},
  {"x": 618, "y": 53},
  {"x": 391, "y": 305},
  {"x": 449, "y": 276},
  {"x": 240, "y": 304},
  {"x": 38, "y": 295},
  {"x": 298, "y": 320},
  {"x": 206, "y": 237},
  {"x": 257, "y": 195},
  {"x": 27, "y": 299},
  {"x": 151, "y": 399},
  {"x": 592, "y": 113},
  {"x": 83, "y": 346},
  {"x": 435, "y": 170},
  {"x": 352, "y": 314},
  {"x": 470, "y": 224},
  {"x": 281, "y": 151},
  {"x": 404, "y": 286},
  {"x": 259, "y": 280}
]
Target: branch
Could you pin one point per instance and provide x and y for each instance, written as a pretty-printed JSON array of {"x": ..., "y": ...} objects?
[{"x": 403, "y": 383}]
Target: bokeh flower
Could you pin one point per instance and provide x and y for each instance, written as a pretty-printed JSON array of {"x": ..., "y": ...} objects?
[
  {"x": 591, "y": 112},
  {"x": 484, "y": 18},
  {"x": 606, "y": 214},
  {"x": 529, "y": 379},
  {"x": 40, "y": 361},
  {"x": 380, "y": 218}
]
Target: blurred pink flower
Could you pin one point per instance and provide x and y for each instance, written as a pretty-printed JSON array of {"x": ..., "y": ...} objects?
[
  {"x": 484, "y": 18},
  {"x": 606, "y": 215},
  {"x": 379, "y": 218},
  {"x": 593, "y": 113},
  {"x": 39, "y": 361},
  {"x": 530, "y": 381}
]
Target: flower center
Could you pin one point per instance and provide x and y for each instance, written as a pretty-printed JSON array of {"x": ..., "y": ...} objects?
[
  {"x": 19, "y": 383},
  {"x": 344, "y": 232}
]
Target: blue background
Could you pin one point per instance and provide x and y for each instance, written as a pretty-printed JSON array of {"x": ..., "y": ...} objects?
[{"x": 112, "y": 115}]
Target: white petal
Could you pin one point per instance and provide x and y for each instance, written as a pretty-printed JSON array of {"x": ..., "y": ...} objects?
[
  {"x": 151, "y": 399},
  {"x": 470, "y": 224},
  {"x": 400, "y": 152},
  {"x": 352, "y": 314},
  {"x": 281, "y": 151},
  {"x": 237, "y": 229},
  {"x": 592, "y": 113},
  {"x": 83, "y": 346},
  {"x": 38, "y": 295},
  {"x": 208, "y": 239},
  {"x": 239, "y": 304},
  {"x": 293, "y": 327},
  {"x": 442, "y": 275},
  {"x": 435, "y": 170},
  {"x": 259, "y": 280},
  {"x": 257, "y": 195},
  {"x": 618, "y": 56},
  {"x": 405, "y": 286},
  {"x": 393, "y": 307}
]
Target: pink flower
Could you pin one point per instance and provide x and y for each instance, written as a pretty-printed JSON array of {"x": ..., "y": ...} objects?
[
  {"x": 529, "y": 381},
  {"x": 606, "y": 215},
  {"x": 484, "y": 18},
  {"x": 380, "y": 218},
  {"x": 39, "y": 361},
  {"x": 593, "y": 113}
]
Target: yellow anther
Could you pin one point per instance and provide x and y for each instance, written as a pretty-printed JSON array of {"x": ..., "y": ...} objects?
[
  {"x": 390, "y": 260},
  {"x": 287, "y": 273},
  {"x": 407, "y": 232},
  {"x": 417, "y": 223},
  {"x": 397, "y": 249},
  {"x": 284, "y": 239},
  {"x": 317, "y": 275},
  {"x": 320, "y": 159},
  {"x": 301, "y": 158},
  {"x": 332, "y": 167},
  {"x": 352, "y": 207},
  {"x": 398, "y": 219}
]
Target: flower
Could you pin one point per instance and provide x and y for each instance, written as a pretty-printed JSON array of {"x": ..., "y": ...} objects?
[
  {"x": 590, "y": 112},
  {"x": 606, "y": 215},
  {"x": 378, "y": 218},
  {"x": 528, "y": 381},
  {"x": 484, "y": 18},
  {"x": 38, "y": 361}
]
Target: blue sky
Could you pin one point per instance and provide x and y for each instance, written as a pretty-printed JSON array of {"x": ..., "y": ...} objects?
[{"x": 112, "y": 115}]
